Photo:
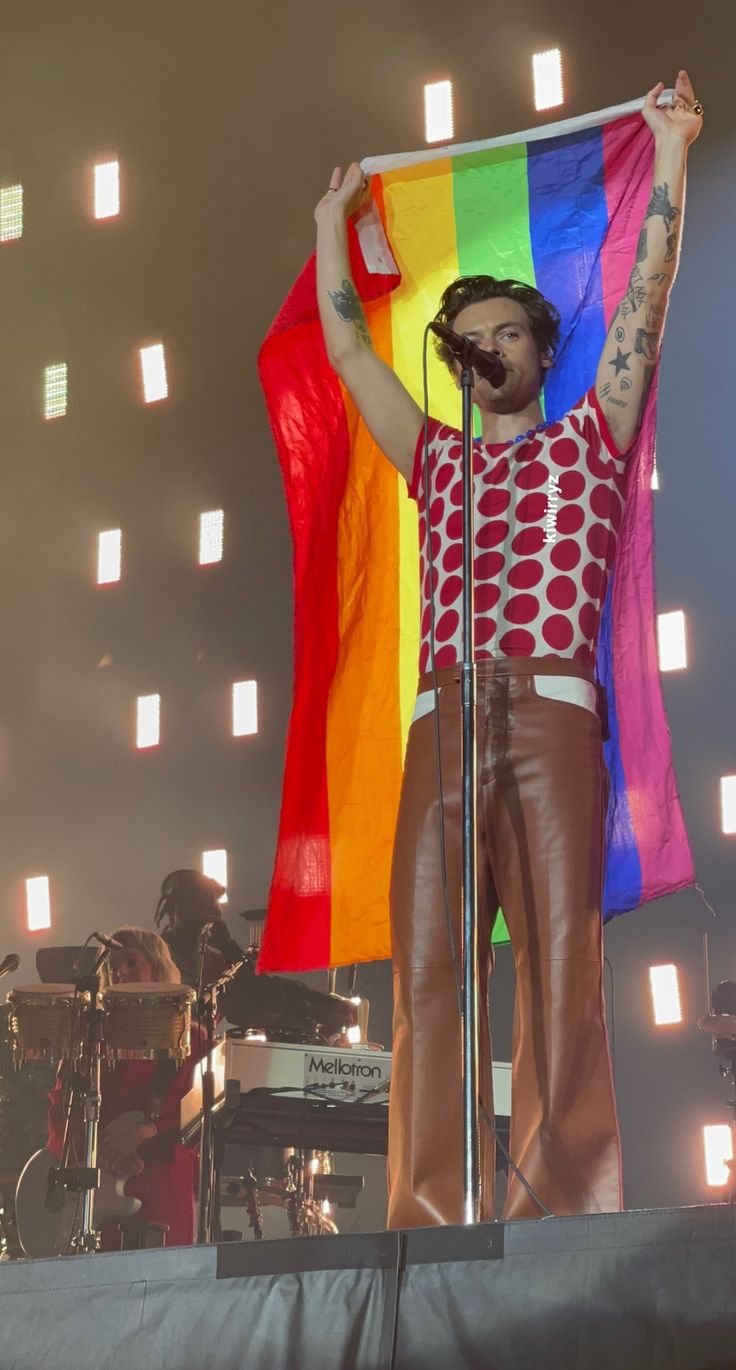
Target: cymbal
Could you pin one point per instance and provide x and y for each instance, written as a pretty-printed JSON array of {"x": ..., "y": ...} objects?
[{"x": 719, "y": 1025}]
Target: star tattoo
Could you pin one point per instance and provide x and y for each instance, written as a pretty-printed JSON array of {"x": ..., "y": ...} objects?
[{"x": 620, "y": 361}]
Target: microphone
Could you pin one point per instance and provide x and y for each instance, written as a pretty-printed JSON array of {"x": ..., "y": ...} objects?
[
  {"x": 487, "y": 364},
  {"x": 9, "y": 964},
  {"x": 109, "y": 943}
]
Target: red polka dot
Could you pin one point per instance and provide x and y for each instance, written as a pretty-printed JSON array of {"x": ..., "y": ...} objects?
[
  {"x": 601, "y": 542},
  {"x": 493, "y": 502},
  {"x": 486, "y": 596},
  {"x": 602, "y": 470},
  {"x": 451, "y": 590},
  {"x": 425, "y": 585},
  {"x": 436, "y": 544},
  {"x": 593, "y": 580},
  {"x": 529, "y": 450},
  {"x": 565, "y": 555},
  {"x": 518, "y": 642},
  {"x": 426, "y": 621},
  {"x": 488, "y": 565},
  {"x": 525, "y": 574},
  {"x": 562, "y": 592},
  {"x": 554, "y": 430},
  {"x": 531, "y": 508},
  {"x": 588, "y": 620},
  {"x": 498, "y": 472},
  {"x": 456, "y": 451},
  {"x": 437, "y": 511},
  {"x": 570, "y": 519},
  {"x": 528, "y": 542},
  {"x": 484, "y": 631},
  {"x": 572, "y": 484},
  {"x": 531, "y": 476},
  {"x": 564, "y": 452},
  {"x": 558, "y": 632},
  {"x": 491, "y": 534},
  {"x": 455, "y": 525},
  {"x": 479, "y": 462},
  {"x": 447, "y": 625},
  {"x": 521, "y": 609},
  {"x": 583, "y": 654},
  {"x": 456, "y": 494},
  {"x": 606, "y": 505},
  {"x": 444, "y": 475},
  {"x": 453, "y": 557},
  {"x": 444, "y": 656}
]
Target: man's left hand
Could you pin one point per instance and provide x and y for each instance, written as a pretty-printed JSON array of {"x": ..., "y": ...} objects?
[{"x": 681, "y": 120}]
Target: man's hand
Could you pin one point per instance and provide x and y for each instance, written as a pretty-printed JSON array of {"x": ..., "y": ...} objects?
[
  {"x": 345, "y": 196},
  {"x": 120, "y": 1144},
  {"x": 678, "y": 121}
]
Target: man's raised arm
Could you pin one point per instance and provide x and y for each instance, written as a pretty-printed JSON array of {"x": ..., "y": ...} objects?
[
  {"x": 392, "y": 416},
  {"x": 632, "y": 346}
]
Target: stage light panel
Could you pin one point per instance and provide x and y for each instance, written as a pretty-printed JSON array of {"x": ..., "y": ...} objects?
[
  {"x": 655, "y": 478},
  {"x": 718, "y": 1147},
  {"x": 109, "y": 556},
  {"x": 153, "y": 373},
  {"x": 245, "y": 708},
  {"x": 665, "y": 987},
  {"x": 728, "y": 804},
  {"x": 38, "y": 903},
  {"x": 55, "y": 391},
  {"x": 547, "y": 71},
  {"x": 211, "y": 536},
  {"x": 214, "y": 864},
  {"x": 671, "y": 641},
  {"x": 148, "y": 721},
  {"x": 438, "y": 116},
  {"x": 107, "y": 190},
  {"x": 11, "y": 213}
]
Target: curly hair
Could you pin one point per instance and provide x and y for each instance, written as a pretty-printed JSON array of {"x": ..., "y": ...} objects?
[
  {"x": 544, "y": 318},
  {"x": 154, "y": 949}
]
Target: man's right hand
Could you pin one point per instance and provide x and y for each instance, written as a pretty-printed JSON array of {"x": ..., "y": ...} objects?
[{"x": 345, "y": 195}]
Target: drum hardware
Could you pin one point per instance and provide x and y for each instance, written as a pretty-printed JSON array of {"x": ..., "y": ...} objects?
[
  {"x": 720, "y": 1022},
  {"x": 207, "y": 1001}
]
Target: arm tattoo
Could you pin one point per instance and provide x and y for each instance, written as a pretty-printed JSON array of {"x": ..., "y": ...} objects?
[
  {"x": 645, "y": 344},
  {"x": 660, "y": 206},
  {"x": 347, "y": 306},
  {"x": 636, "y": 293},
  {"x": 641, "y": 248}
]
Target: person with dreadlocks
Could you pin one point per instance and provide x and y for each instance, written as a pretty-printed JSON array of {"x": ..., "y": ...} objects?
[
  {"x": 548, "y": 502},
  {"x": 189, "y": 903}
]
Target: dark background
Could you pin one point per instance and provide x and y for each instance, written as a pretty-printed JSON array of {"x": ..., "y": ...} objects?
[{"x": 228, "y": 118}]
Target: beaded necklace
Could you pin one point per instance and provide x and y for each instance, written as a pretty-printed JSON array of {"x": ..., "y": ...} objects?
[{"x": 520, "y": 437}]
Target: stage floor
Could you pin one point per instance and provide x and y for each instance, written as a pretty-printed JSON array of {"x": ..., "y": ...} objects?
[{"x": 654, "y": 1289}]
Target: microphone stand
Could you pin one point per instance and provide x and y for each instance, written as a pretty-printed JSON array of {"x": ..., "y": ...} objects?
[
  {"x": 207, "y": 996},
  {"x": 470, "y": 1015}
]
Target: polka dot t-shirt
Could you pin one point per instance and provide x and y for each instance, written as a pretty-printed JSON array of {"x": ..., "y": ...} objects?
[{"x": 547, "y": 516}]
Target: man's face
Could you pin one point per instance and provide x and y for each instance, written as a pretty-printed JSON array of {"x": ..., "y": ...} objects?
[{"x": 501, "y": 325}]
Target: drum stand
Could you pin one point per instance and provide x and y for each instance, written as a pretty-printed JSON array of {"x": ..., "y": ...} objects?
[
  {"x": 85, "y": 1179},
  {"x": 207, "y": 996}
]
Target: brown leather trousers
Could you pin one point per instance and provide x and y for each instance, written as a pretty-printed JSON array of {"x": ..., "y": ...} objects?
[{"x": 540, "y": 815}]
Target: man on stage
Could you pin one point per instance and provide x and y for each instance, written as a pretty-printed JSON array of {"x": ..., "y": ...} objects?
[{"x": 548, "y": 506}]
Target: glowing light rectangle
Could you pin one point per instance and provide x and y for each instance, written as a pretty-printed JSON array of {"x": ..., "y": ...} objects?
[
  {"x": 438, "y": 117},
  {"x": 654, "y": 485},
  {"x": 109, "y": 556},
  {"x": 211, "y": 536},
  {"x": 214, "y": 864},
  {"x": 671, "y": 641},
  {"x": 665, "y": 989},
  {"x": 148, "y": 721},
  {"x": 153, "y": 373},
  {"x": 55, "y": 390},
  {"x": 245, "y": 708},
  {"x": 107, "y": 190},
  {"x": 718, "y": 1147},
  {"x": 11, "y": 213},
  {"x": 547, "y": 71},
  {"x": 38, "y": 903},
  {"x": 728, "y": 803}
]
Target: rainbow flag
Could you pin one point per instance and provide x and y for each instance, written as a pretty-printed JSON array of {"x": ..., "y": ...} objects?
[{"x": 561, "y": 208}]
